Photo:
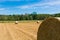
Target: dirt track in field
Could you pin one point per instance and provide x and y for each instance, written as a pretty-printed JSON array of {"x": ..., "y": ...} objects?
[{"x": 20, "y": 31}]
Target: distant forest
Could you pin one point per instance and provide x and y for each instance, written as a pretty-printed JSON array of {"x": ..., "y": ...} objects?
[{"x": 32, "y": 16}]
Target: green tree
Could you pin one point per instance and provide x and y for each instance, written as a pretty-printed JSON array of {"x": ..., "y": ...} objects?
[{"x": 34, "y": 15}]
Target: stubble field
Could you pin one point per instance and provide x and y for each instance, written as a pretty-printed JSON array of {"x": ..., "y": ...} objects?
[{"x": 20, "y": 31}]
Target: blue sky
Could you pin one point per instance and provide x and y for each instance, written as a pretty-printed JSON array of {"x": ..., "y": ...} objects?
[{"x": 29, "y": 6}]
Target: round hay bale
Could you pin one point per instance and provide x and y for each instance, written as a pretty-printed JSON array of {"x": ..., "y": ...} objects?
[
  {"x": 49, "y": 29},
  {"x": 16, "y": 22},
  {"x": 38, "y": 21}
]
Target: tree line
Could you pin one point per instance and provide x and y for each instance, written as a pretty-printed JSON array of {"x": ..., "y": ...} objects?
[{"x": 32, "y": 16}]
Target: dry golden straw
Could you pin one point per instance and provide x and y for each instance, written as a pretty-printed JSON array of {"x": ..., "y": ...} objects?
[{"x": 49, "y": 29}]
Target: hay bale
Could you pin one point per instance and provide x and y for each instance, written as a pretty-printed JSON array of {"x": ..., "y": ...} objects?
[
  {"x": 16, "y": 22},
  {"x": 49, "y": 29},
  {"x": 38, "y": 21}
]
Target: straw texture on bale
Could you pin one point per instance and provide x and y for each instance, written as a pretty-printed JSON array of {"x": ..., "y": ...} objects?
[{"x": 49, "y": 29}]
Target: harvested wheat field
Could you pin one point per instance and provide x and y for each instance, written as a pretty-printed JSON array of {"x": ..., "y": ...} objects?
[{"x": 20, "y": 31}]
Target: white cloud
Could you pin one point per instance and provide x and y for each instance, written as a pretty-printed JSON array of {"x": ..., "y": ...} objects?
[
  {"x": 54, "y": 3},
  {"x": 43, "y": 5},
  {"x": 48, "y": 3},
  {"x": 2, "y": 9},
  {"x": 23, "y": 7}
]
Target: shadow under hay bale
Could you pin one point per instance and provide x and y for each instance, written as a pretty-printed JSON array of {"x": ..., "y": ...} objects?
[
  {"x": 49, "y": 30},
  {"x": 16, "y": 23}
]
